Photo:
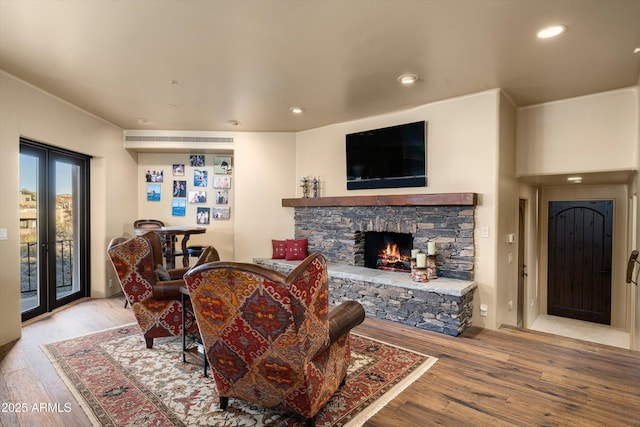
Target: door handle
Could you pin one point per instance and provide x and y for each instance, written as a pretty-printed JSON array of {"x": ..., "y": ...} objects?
[
  {"x": 523, "y": 270},
  {"x": 633, "y": 259}
]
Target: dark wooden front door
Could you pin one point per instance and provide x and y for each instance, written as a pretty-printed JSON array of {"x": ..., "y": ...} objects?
[{"x": 579, "y": 268}]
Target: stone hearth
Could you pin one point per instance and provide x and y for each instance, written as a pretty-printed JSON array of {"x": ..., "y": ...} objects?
[{"x": 442, "y": 305}]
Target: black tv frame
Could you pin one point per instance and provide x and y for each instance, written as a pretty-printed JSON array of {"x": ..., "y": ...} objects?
[{"x": 389, "y": 182}]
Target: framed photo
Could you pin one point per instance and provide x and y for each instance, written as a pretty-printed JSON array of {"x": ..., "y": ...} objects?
[
  {"x": 200, "y": 178},
  {"x": 196, "y": 160},
  {"x": 202, "y": 216},
  {"x": 153, "y": 192},
  {"x": 222, "y": 165},
  {"x": 197, "y": 196},
  {"x": 221, "y": 213},
  {"x": 221, "y": 182},
  {"x": 222, "y": 197},
  {"x": 178, "y": 169},
  {"x": 154, "y": 176},
  {"x": 178, "y": 207},
  {"x": 179, "y": 188}
]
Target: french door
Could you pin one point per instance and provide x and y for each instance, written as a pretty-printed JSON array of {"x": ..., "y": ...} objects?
[{"x": 54, "y": 227}]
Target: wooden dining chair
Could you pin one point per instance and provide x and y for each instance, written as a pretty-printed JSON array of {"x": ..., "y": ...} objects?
[
  {"x": 192, "y": 250},
  {"x": 147, "y": 224}
]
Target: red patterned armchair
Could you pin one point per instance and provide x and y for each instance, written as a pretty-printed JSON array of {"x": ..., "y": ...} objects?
[
  {"x": 152, "y": 291},
  {"x": 270, "y": 339}
]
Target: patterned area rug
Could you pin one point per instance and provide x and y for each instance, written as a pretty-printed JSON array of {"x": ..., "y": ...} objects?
[{"x": 119, "y": 382}]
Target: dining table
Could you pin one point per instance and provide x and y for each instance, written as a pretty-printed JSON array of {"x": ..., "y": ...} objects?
[{"x": 169, "y": 237}]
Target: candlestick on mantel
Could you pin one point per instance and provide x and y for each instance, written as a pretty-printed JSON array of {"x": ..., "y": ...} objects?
[
  {"x": 414, "y": 253},
  {"x": 432, "y": 268},
  {"x": 431, "y": 248},
  {"x": 421, "y": 260}
]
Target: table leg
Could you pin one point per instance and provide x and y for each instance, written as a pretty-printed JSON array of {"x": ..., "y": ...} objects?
[
  {"x": 185, "y": 254},
  {"x": 170, "y": 251},
  {"x": 184, "y": 328}
]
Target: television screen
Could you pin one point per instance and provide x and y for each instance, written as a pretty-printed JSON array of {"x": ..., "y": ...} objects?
[{"x": 391, "y": 157}]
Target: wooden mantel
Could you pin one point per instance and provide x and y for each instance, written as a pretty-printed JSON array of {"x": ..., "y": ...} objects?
[{"x": 440, "y": 199}]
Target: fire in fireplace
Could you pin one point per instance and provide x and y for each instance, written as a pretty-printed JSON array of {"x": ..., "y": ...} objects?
[{"x": 388, "y": 250}]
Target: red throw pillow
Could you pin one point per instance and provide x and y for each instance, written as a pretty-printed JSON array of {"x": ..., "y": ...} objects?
[
  {"x": 296, "y": 249},
  {"x": 279, "y": 249}
]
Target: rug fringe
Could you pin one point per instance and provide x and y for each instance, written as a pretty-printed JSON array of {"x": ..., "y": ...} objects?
[
  {"x": 126, "y": 325},
  {"x": 389, "y": 344}
]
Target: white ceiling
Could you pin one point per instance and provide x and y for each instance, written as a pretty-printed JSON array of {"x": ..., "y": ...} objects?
[{"x": 252, "y": 60}]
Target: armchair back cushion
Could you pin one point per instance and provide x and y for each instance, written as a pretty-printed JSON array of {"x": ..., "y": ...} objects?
[{"x": 267, "y": 336}]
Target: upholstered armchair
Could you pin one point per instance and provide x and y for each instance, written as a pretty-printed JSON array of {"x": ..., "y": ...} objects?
[
  {"x": 271, "y": 339},
  {"x": 152, "y": 291}
]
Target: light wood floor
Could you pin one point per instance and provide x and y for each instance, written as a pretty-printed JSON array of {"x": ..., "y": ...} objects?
[{"x": 482, "y": 378}]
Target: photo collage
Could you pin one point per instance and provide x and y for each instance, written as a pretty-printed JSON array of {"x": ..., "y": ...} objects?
[{"x": 195, "y": 185}]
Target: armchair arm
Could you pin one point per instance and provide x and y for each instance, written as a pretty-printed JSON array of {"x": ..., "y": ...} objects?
[
  {"x": 209, "y": 254},
  {"x": 177, "y": 273},
  {"x": 343, "y": 318},
  {"x": 168, "y": 290}
]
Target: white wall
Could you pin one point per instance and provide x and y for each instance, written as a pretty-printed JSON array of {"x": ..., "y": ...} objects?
[
  {"x": 267, "y": 174},
  {"x": 531, "y": 297},
  {"x": 508, "y": 202},
  {"x": 462, "y": 156},
  {"x": 592, "y": 133},
  {"x": 28, "y": 112}
]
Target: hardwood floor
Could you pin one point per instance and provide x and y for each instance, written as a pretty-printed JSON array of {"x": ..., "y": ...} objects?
[{"x": 482, "y": 378}]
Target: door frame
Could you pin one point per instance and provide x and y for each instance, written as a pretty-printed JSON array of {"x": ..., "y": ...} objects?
[
  {"x": 522, "y": 263},
  {"x": 46, "y": 200}
]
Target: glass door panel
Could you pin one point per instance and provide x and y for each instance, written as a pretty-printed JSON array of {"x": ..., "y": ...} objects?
[
  {"x": 66, "y": 235},
  {"x": 31, "y": 298}
]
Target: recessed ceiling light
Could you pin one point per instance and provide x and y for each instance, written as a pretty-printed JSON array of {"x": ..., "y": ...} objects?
[
  {"x": 142, "y": 120},
  {"x": 173, "y": 82},
  {"x": 408, "y": 79},
  {"x": 296, "y": 110},
  {"x": 575, "y": 179},
  {"x": 636, "y": 50},
  {"x": 551, "y": 31},
  {"x": 172, "y": 106},
  {"x": 233, "y": 122}
]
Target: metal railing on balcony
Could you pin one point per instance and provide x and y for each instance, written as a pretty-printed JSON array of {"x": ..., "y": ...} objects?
[{"x": 29, "y": 266}]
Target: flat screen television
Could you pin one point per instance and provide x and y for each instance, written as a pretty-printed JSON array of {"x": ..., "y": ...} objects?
[{"x": 391, "y": 157}]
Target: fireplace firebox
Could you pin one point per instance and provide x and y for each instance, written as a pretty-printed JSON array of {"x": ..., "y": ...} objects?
[{"x": 388, "y": 250}]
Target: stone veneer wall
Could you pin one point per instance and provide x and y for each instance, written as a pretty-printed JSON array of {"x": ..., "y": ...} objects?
[
  {"x": 338, "y": 232},
  {"x": 425, "y": 309},
  {"x": 420, "y": 306}
]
